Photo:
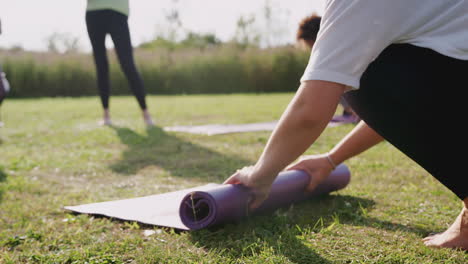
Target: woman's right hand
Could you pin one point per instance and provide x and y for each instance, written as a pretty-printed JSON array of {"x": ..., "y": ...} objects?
[
  {"x": 317, "y": 166},
  {"x": 259, "y": 187}
]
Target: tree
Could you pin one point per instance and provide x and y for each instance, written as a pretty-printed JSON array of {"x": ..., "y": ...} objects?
[
  {"x": 264, "y": 30},
  {"x": 63, "y": 43},
  {"x": 245, "y": 34},
  {"x": 274, "y": 21},
  {"x": 200, "y": 41}
]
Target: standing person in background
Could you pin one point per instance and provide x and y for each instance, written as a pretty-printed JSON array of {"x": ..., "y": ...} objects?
[
  {"x": 4, "y": 89},
  {"x": 4, "y": 84},
  {"x": 111, "y": 17},
  {"x": 306, "y": 36}
]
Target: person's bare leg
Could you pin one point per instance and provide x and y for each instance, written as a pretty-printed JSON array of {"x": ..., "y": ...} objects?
[
  {"x": 106, "y": 121},
  {"x": 456, "y": 236},
  {"x": 147, "y": 118}
]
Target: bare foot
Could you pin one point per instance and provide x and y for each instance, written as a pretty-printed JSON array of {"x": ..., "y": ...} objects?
[
  {"x": 149, "y": 122},
  {"x": 147, "y": 118},
  {"x": 456, "y": 236},
  {"x": 106, "y": 120}
]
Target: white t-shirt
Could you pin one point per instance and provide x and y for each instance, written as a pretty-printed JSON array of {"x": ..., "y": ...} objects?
[{"x": 354, "y": 32}]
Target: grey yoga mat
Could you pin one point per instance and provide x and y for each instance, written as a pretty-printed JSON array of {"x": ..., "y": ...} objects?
[
  {"x": 213, "y": 204},
  {"x": 219, "y": 129}
]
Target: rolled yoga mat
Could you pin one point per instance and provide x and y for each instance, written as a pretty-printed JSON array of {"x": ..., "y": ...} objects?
[
  {"x": 213, "y": 204},
  {"x": 229, "y": 203}
]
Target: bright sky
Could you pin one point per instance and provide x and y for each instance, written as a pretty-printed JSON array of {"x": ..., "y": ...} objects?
[{"x": 28, "y": 23}]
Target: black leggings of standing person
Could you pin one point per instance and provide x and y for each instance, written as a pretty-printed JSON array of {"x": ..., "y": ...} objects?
[
  {"x": 4, "y": 89},
  {"x": 4, "y": 86},
  {"x": 100, "y": 23},
  {"x": 417, "y": 108}
]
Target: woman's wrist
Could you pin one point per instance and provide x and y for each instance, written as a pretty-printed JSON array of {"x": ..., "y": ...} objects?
[
  {"x": 331, "y": 161},
  {"x": 262, "y": 176}
]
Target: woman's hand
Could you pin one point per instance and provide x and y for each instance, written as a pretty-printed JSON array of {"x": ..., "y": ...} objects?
[
  {"x": 317, "y": 166},
  {"x": 247, "y": 177}
]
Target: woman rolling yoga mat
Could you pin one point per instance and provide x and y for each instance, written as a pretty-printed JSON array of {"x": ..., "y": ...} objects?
[{"x": 213, "y": 204}]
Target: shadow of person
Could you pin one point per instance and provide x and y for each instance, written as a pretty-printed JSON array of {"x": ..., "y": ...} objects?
[
  {"x": 175, "y": 155},
  {"x": 255, "y": 236},
  {"x": 283, "y": 230},
  {"x": 349, "y": 210}
]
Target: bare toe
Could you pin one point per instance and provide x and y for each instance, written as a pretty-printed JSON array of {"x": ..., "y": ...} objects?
[{"x": 431, "y": 236}]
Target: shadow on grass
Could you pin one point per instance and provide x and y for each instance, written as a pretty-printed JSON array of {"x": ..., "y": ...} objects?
[
  {"x": 345, "y": 209},
  {"x": 177, "y": 156},
  {"x": 283, "y": 232}
]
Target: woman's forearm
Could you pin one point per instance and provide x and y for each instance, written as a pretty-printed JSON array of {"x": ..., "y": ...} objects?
[
  {"x": 300, "y": 125},
  {"x": 360, "y": 139}
]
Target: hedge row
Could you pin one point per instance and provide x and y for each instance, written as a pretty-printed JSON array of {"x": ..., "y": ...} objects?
[{"x": 220, "y": 70}]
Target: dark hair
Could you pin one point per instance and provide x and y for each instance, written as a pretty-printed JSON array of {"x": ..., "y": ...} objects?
[{"x": 309, "y": 28}]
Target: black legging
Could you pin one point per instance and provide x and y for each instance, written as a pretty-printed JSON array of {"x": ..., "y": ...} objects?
[
  {"x": 99, "y": 24},
  {"x": 413, "y": 97},
  {"x": 3, "y": 92}
]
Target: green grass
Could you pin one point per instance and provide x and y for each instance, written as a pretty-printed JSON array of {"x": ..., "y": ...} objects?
[{"x": 54, "y": 154}]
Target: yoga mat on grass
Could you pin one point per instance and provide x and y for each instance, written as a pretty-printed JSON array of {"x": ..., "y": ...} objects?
[
  {"x": 213, "y": 204},
  {"x": 219, "y": 129}
]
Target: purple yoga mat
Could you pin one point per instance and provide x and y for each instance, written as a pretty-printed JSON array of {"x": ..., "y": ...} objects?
[
  {"x": 213, "y": 204},
  {"x": 229, "y": 203}
]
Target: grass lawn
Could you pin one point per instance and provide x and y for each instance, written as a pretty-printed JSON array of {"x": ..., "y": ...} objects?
[{"x": 53, "y": 154}]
